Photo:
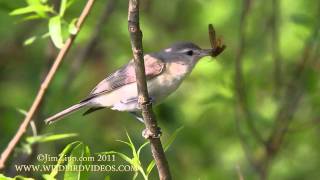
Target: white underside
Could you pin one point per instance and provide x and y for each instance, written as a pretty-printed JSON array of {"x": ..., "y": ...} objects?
[{"x": 125, "y": 97}]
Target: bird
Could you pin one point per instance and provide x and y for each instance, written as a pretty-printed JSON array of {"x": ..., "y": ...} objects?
[{"x": 165, "y": 70}]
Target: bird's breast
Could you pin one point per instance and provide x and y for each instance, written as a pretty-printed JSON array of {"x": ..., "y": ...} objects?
[
  {"x": 159, "y": 87},
  {"x": 168, "y": 81}
]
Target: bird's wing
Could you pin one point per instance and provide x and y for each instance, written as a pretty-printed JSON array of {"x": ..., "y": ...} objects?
[{"x": 126, "y": 75}]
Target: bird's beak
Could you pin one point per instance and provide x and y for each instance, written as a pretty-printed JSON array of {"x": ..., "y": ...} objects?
[{"x": 205, "y": 52}]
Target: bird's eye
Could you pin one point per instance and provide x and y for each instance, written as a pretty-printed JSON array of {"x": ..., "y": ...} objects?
[{"x": 189, "y": 53}]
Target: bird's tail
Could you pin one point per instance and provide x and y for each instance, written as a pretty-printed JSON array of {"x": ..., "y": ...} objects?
[{"x": 64, "y": 113}]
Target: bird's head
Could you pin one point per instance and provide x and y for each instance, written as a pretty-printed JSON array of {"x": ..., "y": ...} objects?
[{"x": 188, "y": 52}]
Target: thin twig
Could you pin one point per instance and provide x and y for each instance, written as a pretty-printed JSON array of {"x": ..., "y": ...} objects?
[
  {"x": 245, "y": 146},
  {"x": 143, "y": 96},
  {"x": 277, "y": 74},
  {"x": 293, "y": 94},
  {"x": 87, "y": 50},
  {"x": 239, "y": 173},
  {"x": 35, "y": 105},
  {"x": 290, "y": 103},
  {"x": 242, "y": 100}
]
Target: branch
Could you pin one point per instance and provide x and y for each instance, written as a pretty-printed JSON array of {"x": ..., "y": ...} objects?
[
  {"x": 242, "y": 100},
  {"x": 143, "y": 96},
  {"x": 92, "y": 43},
  {"x": 290, "y": 102},
  {"x": 277, "y": 74},
  {"x": 41, "y": 92}
]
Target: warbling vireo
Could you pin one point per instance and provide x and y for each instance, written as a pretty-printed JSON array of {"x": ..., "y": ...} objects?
[{"x": 165, "y": 70}]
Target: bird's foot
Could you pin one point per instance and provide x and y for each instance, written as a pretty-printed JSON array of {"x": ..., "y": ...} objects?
[{"x": 147, "y": 134}]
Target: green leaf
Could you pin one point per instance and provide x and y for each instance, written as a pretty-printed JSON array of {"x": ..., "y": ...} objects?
[
  {"x": 63, "y": 7},
  {"x": 70, "y": 2},
  {"x": 134, "y": 151},
  {"x": 45, "y": 35},
  {"x": 124, "y": 142},
  {"x": 3, "y": 177},
  {"x": 168, "y": 143},
  {"x": 166, "y": 146},
  {"x": 64, "y": 152},
  {"x": 39, "y": 9},
  {"x": 25, "y": 148},
  {"x": 34, "y": 2},
  {"x": 47, "y": 138},
  {"x": 30, "y": 17},
  {"x": 48, "y": 177},
  {"x": 85, "y": 173},
  {"x": 20, "y": 11},
  {"x": 76, "y": 154},
  {"x": 55, "y": 31},
  {"x": 141, "y": 147},
  {"x": 121, "y": 155},
  {"x": 135, "y": 175},
  {"x": 29, "y": 41},
  {"x": 22, "y": 111},
  {"x": 72, "y": 28}
]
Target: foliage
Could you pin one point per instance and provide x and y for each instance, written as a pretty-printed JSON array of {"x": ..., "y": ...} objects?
[
  {"x": 41, "y": 9},
  {"x": 209, "y": 146},
  {"x": 135, "y": 161}
]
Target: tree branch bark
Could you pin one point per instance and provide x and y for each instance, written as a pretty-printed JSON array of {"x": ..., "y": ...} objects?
[
  {"x": 240, "y": 90},
  {"x": 44, "y": 85},
  {"x": 143, "y": 96}
]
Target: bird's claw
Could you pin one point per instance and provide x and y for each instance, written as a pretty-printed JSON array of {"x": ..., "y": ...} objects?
[{"x": 147, "y": 134}]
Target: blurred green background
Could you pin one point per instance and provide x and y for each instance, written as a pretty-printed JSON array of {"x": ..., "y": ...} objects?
[{"x": 259, "y": 33}]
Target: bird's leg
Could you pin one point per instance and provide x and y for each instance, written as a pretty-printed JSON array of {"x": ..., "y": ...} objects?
[
  {"x": 147, "y": 134},
  {"x": 137, "y": 115}
]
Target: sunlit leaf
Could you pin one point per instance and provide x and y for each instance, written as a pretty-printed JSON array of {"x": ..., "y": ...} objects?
[
  {"x": 135, "y": 175},
  {"x": 121, "y": 155},
  {"x": 76, "y": 153},
  {"x": 87, "y": 154},
  {"x": 34, "y": 2},
  {"x": 47, "y": 138},
  {"x": 39, "y": 9},
  {"x": 63, "y": 7},
  {"x": 22, "y": 111},
  {"x": 141, "y": 147},
  {"x": 62, "y": 155},
  {"x": 134, "y": 151},
  {"x": 72, "y": 27},
  {"x": 70, "y": 2},
  {"x": 29, "y": 41},
  {"x": 55, "y": 31},
  {"x": 48, "y": 177},
  {"x": 20, "y": 11},
  {"x": 30, "y": 17},
  {"x": 45, "y": 35},
  {"x": 124, "y": 142},
  {"x": 3, "y": 177},
  {"x": 168, "y": 143}
]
